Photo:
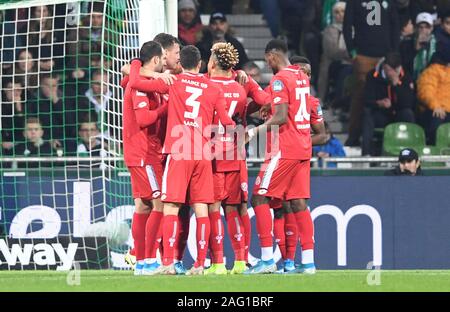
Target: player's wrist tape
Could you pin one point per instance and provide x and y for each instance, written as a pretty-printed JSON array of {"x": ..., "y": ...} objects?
[{"x": 251, "y": 132}]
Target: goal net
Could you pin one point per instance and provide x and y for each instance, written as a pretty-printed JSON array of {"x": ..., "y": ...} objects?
[{"x": 64, "y": 191}]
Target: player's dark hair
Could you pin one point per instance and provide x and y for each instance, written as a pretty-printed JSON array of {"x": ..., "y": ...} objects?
[
  {"x": 149, "y": 50},
  {"x": 166, "y": 40},
  {"x": 276, "y": 45},
  {"x": 190, "y": 57},
  {"x": 297, "y": 59},
  {"x": 393, "y": 59}
]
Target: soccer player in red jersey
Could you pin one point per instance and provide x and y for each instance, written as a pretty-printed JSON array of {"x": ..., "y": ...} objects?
[
  {"x": 289, "y": 160},
  {"x": 193, "y": 101},
  {"x": 229, "y": 168},
  {"x": 142, "y": 154}
]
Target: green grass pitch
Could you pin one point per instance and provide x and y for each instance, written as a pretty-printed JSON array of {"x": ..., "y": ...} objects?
[{"x": 342, "y": 280}]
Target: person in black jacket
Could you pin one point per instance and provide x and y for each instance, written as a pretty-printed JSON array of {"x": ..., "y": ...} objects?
[
  {"x": 217, "y": 31},
  {"x": 408, "y": 164},
  {"x": 371, "y": 30},
  {"x": 389, "y": 97}
]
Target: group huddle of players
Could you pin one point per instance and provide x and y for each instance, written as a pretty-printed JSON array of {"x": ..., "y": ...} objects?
[{"x": 184, "y": 137}]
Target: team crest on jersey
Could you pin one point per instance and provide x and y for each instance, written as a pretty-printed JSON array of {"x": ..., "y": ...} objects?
[
  {"x": 277, "y": 85},
  {"x": 244, "y": 187},
  {"x": 319, "y": 110},
  {"x": 258, "y": 181},
  {"x": 142, "y": 104},
  {"x": 277, "y": 99}
]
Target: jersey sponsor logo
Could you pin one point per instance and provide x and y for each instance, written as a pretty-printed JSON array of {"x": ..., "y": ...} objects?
[
  {"x": 139, "y": 93},
  {"x": 277, "y": 85},
  {"x": 191, "y": 124},
  {"x": 142, "y": 104},
  {"x": 277, "y": 100},
  {"x": 306, "y": 126}
]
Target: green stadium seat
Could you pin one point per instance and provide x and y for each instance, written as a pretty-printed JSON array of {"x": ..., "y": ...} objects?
[
  {"x": 443, "y": 136},
  {"x": 400, "y": 135},
  {"x": 430, "y": 151}
]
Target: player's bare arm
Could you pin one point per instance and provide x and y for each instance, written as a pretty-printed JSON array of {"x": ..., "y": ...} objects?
[{"x": 319, "y": 136}]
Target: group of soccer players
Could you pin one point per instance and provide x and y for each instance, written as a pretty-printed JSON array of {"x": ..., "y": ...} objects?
[{"x": 184, "y": 141}]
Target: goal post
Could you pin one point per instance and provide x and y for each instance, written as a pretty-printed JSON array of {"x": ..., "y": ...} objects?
[{"x": 60, "y": 63}]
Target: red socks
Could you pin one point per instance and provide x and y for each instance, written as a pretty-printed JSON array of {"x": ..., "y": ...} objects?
[
  {"x": 151, "y": 233},
  {"x": 290, "y": 228},
  {"x": 170, "y": 235},
  {"x": 264, "y": 225},
  {"x": 305, "y": 229},
  {"x": 280, "y": 238},
  {"x": 217, "y": 237},
  {"x": 183, "y": 227},
  {"x": 138, "y": 233},
  {"x": 202, "y": 234},
  {"x": 245, "y": 220},
  {"x": 235, "y": 232}
]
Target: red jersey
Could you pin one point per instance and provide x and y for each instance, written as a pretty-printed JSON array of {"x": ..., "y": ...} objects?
[
  {"x": 193, "y": 101},
  {"x": 225, "y": 144},
  {"x": 316, "y": 111},
  {"x": 141, "y": 146},
  {"x": 291, "y": 86}
]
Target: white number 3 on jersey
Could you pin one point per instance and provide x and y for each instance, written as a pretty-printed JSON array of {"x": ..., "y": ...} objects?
[
  {"x": 192, "y": 101},
  {"x": 302, "y": 114}
]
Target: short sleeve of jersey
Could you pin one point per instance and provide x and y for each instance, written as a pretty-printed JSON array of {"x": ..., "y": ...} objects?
[
  {"x": 316, "y": 110},
  {"x": 140, "y": 100},
  {"x": 280, "y": 93}
]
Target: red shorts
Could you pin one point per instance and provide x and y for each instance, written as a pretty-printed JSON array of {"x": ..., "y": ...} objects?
[
  {"x": 284, "y": 179},
  {"x": 188, "y": 181},
  {"x": 229, "y": 188},
  {"x": 146, "y": 181}
]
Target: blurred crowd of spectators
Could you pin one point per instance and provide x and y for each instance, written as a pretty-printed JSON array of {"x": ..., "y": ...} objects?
[{"x": 374, "y": 62}]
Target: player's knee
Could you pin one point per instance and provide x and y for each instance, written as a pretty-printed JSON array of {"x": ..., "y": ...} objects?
[
  {"x": 142, "y": 205},
  {"x": 278, "y": 213},
  {"x": 257, "y": 200},
  {"x": 287, "y": 207},
  {"x": 298, "y": 205}
]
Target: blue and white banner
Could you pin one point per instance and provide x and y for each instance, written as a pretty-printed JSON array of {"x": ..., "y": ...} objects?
[{"x": 392, "y": 222}]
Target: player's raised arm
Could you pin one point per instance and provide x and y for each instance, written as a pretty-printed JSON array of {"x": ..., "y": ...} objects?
[
  {"x": 255, "y": 92},
  {"x": 156, "y": 85},
  {"x": 144, "y": 116}
]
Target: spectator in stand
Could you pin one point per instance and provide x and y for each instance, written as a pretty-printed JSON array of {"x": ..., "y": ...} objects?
[
  {"x": 252, "y": 70},
  {"x": 408, "y": 164},
  {"x": 219, "y": 30},
  {"x": 26, "y": 69},
  {"x": 434, "y": 7},
  {"x": 332, "y": 148},
  {"x": 98, "y": 102},
  {"x": 417, "y": 53},
  {"x": 13, "y": 114},
  {"x": 189, "y": 24},
  {"x": 327, "y": 13},
  {"x": 57, "y": 117},
  {"x": 90, "y": 143},
  {"x": 433, "y": 90},
  {"x": 42, "y": 40},
  {"x": 389, "y": 97},
  {"x": 443, "y": 32},
  {"x": 34, "y": 144},
  {"x": 334, "y": 51},
  {"x": 368, "y": 38}
]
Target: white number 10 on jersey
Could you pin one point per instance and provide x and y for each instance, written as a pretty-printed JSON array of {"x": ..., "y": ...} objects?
[{"x": 302, "y": 114}]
